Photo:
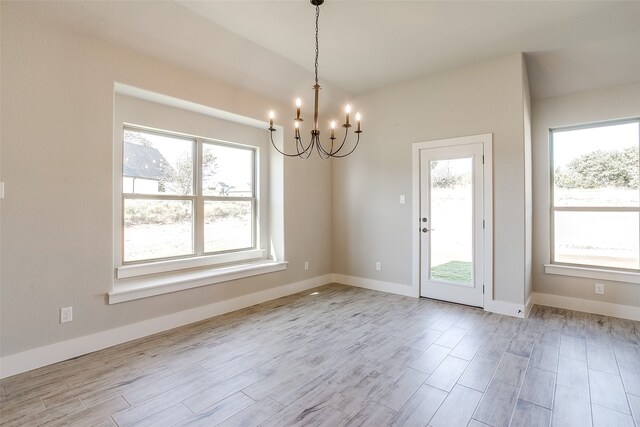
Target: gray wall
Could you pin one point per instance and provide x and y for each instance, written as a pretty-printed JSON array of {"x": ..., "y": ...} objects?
[
  {"x": 370, "y": 225},
  {"x": 602, "y": 104},
  {"x": 56, "y": 144}
]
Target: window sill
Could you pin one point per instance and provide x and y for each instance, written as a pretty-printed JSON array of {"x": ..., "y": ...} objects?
[
  {"x": 178, "y": 281},
  {"x": 592, "y": 273},
  {"x": 169, "y": 266}
]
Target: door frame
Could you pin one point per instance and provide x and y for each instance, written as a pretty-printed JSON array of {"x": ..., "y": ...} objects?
[{"x": 487, "y": 206}]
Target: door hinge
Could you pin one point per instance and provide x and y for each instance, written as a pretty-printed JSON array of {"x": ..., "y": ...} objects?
[
  {"x": 483, "y": 159},
  {"x": 483, "y": 289},
  {"x": 483, "y": 224}
]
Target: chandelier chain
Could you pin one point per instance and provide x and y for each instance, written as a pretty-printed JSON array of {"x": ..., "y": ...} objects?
[{"x": 317, "y": 48}]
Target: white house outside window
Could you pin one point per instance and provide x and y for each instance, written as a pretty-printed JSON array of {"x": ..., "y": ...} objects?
[
  {"x": 185, "y": 197},
  {"x": 595, "y": 195}
]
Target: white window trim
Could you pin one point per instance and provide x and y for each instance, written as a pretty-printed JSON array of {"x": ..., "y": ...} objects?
[
  {"x": 145, "y": 287},
  {"x": 592, "y": 273}
]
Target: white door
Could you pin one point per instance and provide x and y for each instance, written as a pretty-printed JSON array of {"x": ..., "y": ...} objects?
[{"x": 451, "y": 223}]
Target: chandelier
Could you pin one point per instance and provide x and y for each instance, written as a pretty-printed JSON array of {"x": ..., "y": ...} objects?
[{"x": 305, "y": 150}]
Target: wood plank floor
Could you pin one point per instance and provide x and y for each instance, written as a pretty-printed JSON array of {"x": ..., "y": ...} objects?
[{"x": 340, "y": 355}]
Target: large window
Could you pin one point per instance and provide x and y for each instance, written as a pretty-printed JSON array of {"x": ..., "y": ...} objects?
[
  {"x": 197, "y": 199},
  {"x": 185, "y": 197},
  {"x": 595, "y": 195}
]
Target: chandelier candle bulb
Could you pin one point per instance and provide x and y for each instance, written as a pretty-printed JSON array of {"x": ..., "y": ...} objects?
[
  {"x": 298, "y": 105},
  {"x": 358, "y": 121},
  {"x": 348, "y": 110},
  {"x": 271, "y": 116},
  {"x": 333, "y": 129}
]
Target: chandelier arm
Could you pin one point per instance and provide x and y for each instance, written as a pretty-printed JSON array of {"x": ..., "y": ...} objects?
[
  {"x": 324, "y": 154},
  {"x": 305, "y": 150},
  {"x": 321, "y": 155},
  {"x": 320, "y": 147},
  {"x": 300, "y": 146},
  {"x": 305, "y": 157},
  {"x": 279, "y": 150},
  {"x": 346, "y": 134},
  {"x": 321, "y": 151},
  {"x": 316, "y": 143},
  {"x": 352, "y": 150}
]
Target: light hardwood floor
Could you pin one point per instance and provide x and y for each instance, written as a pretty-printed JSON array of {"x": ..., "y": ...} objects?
[{"x": 339, "y": 355}]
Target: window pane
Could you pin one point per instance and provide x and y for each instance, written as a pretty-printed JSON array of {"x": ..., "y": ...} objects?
[
  {"x": 227, "y": 225},
  {"x": 608, "y": 239},
  {"x": 227, "y": 171},
  {"x": 157, "y": 229},
  {"x": 452, "y": 220},
  {"x": 157, "y": 164},
  {"x": 597, "y": 166}
]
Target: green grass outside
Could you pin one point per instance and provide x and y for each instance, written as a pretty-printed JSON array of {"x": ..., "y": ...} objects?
[{"x": 453, "y": 271}]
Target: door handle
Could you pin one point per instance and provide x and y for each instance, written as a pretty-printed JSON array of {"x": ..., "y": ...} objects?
[{"x": 425, "y": 229}]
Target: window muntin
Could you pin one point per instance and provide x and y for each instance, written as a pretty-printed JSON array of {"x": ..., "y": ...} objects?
[
  {"x": 185, "y": 196},
  {"x": 595, "y": 195}
]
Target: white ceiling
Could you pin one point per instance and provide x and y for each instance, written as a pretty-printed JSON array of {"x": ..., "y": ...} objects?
[{"x": 269, "y": 45}]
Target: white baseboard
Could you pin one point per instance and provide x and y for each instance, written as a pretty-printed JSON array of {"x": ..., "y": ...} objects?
[
  {"x": 376, "y": 285},
  {"x": 588, "y": 306},
  {"x": 46, "y": 355},
  {"x": 528, "y": 306}
]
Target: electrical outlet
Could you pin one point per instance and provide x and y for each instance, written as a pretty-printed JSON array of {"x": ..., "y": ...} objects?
[
  {"x": 600, "y": 288},
  {"x": 378, "y": 266},
  {"x": 66, "y": 314},
  {"x": 306, "y": 265},
  {"x": 403, "y": 199}
]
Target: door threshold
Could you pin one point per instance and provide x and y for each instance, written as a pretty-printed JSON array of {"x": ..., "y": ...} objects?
[{"x": 451, "y": 302}]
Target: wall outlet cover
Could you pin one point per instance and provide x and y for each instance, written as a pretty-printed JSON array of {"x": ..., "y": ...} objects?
[
  {"x": 66, "y": 314},
  {"x": 600, "y": 288}
]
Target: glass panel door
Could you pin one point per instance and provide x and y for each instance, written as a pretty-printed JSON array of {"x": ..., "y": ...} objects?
[{"x": 451, "y": 191}]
